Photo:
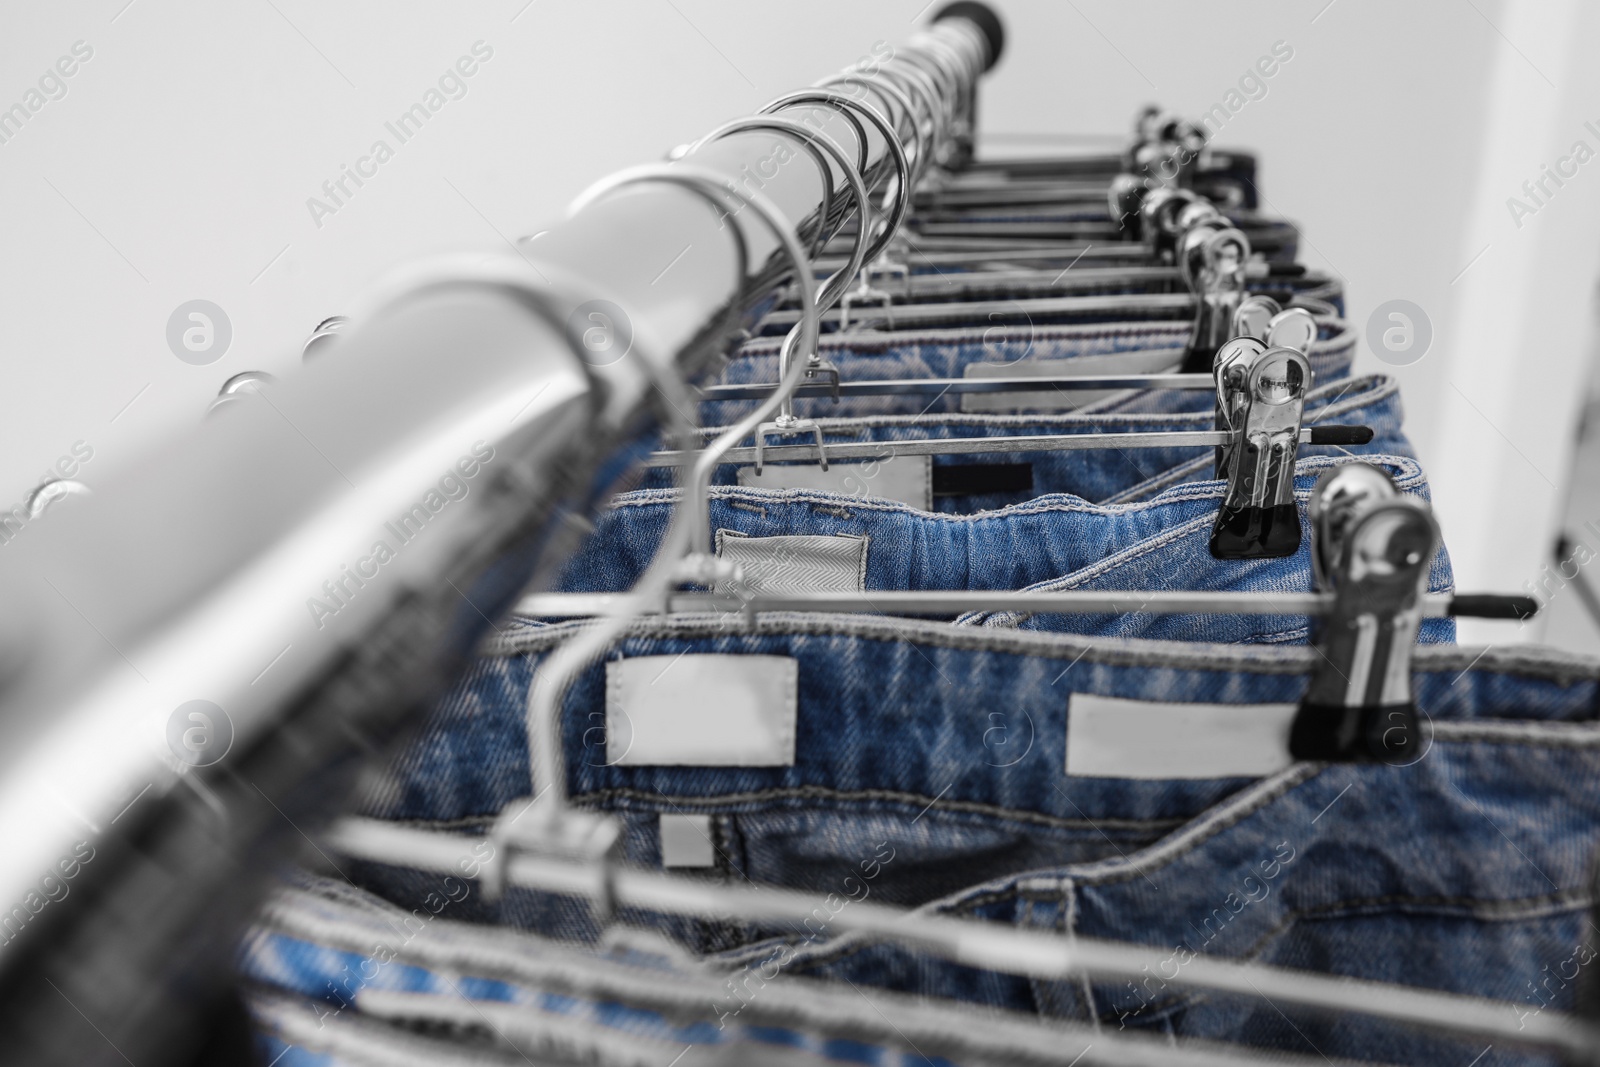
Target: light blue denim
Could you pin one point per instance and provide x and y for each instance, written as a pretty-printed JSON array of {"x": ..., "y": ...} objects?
[
  {"x": 1097, "y": 474},
  {"x": 939, "y": 751},
  {"x": 946, "y": 353},
  {"x": 1057, "y": 541}
]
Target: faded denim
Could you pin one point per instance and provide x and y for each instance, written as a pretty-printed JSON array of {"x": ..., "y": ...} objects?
[
  {"x": 1099, "y": 474},
  {"x": 938, "y": 751}
]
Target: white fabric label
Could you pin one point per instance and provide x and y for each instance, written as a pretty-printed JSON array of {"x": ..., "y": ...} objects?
[
  {"x": 904, "y": 479},
  {"x": 1112, "y": 738},
  {"x": 701, "y": 711},
  {"x": 1150, "y": 361},
  {"x": 795, "y": 563},
  {"x": 686, "y": 841}
]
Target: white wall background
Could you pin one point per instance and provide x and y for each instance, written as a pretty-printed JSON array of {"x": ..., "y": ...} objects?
[{"x": 178, "y": 164}]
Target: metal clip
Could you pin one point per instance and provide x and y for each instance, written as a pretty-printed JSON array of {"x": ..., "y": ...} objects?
[
  {"x": 818, "y": 368},
  {"x": 1261, "y": 317},
  {"x": 1230, "y": 371},
  {"x": 1372, "y": 547},
  {"x": 1166, "y": 149},
  {"x": 789, "y": 426},
  {"x": 1158, "y": 220},
  {"x": 867, "y": 293},
  {"x": 1251, "y": 317},
  {"x": 1258, "y": 324},
  {"x": 1125, "y": 201},
  {"x": 588, "y": 843},
  {"x": 893, "y": 263},
  {"x": 1261, "y": 395},
  {"x": 1212, "y": 256}
]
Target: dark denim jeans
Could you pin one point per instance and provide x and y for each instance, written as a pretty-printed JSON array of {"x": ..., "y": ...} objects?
[
  {"x": 930, "y": 770},
  {"x": 987, "y": 481}
]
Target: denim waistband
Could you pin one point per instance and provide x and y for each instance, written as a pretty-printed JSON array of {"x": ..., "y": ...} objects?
[
  {"x": 939, "y": 751},
  {"x": 948, "y": 352},
  {"x": 990, "y": 480},
  {"x": 1057, "y": 541},
  {"x": 895, "y": 713}
]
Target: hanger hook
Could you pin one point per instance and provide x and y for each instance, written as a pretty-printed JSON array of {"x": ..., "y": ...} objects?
[
  {"x": 894, "y": 95},
  {"x": 818, "y": 142},
  {"x": 689, "y": 529},
  {"x": 846, "y": 104}
]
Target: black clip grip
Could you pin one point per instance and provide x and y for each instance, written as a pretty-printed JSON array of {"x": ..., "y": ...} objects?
[
  {"x": 1341, "y": 435},
  {"x": 1493, "y": 606},
  {"x": 1341, "y": 734}
]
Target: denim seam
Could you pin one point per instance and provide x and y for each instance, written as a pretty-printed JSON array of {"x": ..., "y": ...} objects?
[
  {"x": 1225, "y": 815},
  {"x": 1136, "y": 551},
  {"x": 1554, "y": 735},
  {"x": 600, "y": 797},
  {"x": 1513, "y": 910},
  {"x": 1172, "y": 476},
  {"x": 1027, "y": 892},
  {"x": 1553, "y": 665},
  {"x": 1490, "y": 909}
]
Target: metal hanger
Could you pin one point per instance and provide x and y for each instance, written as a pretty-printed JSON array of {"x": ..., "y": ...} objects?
[
  {"x": 1343, "y": 545},
  {"x": 803, "y": 336},
  {"x": 900, "y": 185},
  {"x": 822, "y": 146},
  {"x": 965, "y": 446},
  {"x": 880, "y": 263},
  {"x": 1374, "y": 549},
  {"x": 1260, "y": 404},
  {"x": 1211, "y": 255}
]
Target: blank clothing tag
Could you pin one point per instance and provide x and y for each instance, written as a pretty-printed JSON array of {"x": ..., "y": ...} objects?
[
  {"x": 795, "y": 563},
  {"x": 686, "y": 841},
  {"x": 701, "y": 711},
  {"x": 1108, "y": 737},
  {"x": 903, "y": 479},
  {"x": 1150, "y": 361}
]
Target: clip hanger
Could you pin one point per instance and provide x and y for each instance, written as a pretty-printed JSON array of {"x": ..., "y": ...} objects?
[
  {"x": 1262, "y": 394},
  {"x": 1213, "y": 256},
  {"x": 1261, "y": 380},
  {"x": 1372, "y": 547}
]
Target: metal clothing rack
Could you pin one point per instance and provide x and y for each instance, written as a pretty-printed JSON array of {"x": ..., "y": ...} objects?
[
  {"x": 201, "y": 656},
  {"x": 182, "y": 588}
]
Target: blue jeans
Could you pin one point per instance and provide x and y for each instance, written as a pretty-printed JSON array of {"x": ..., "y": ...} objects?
[
  {"x": 1099, "y": 474},
  {"x": 1051, "y": 542},
  {"x": 947, "y": 353},
  {"x": 939, "y": 752}
]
